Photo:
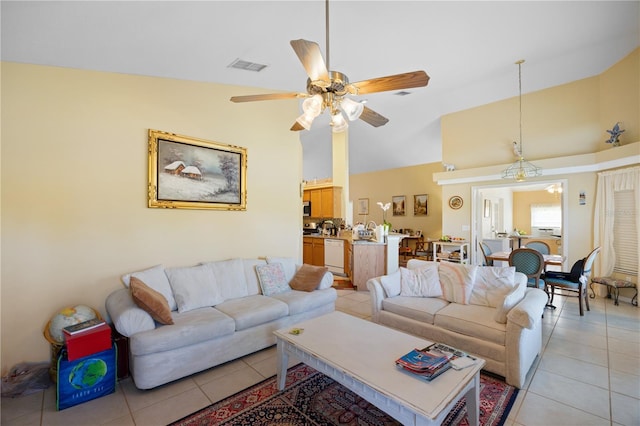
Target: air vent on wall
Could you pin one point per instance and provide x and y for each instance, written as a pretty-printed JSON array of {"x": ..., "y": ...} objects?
[{"x": 246, "y": 65}]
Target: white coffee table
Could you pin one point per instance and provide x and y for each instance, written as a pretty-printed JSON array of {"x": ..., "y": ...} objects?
[{"x": 360, "y": 355}]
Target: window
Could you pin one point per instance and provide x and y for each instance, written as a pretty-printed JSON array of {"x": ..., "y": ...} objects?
[
  {"x": 625, "y": 233},
  {"x": 546, "y": 216}
]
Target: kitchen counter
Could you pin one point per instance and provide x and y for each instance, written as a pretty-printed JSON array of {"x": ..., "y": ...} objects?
[{"x": 344, "y": 236}]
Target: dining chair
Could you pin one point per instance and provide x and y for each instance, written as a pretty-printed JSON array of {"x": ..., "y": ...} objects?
[
  {"x": 531, "y": 263},
  {"x": 541, "y": 246},
  {"x": 486, "y": 251},
  {"x": 574, "y": 281}
]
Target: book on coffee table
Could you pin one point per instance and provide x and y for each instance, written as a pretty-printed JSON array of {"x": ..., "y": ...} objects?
[{"x": 425, "y": 363}]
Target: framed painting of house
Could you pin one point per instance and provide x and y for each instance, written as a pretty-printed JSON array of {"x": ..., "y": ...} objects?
[
  {"x": 398, "y": 203},
  {"x": 420, "y": 205},
  {"x": 363, "y": 206},
  {"x": 192, "y": 173}
]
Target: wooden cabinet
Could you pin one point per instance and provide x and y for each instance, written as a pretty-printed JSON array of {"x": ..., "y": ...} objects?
[
  {"x": 369, "y": 261},
  {"x": 313, "y": 251},
  {"x": 325, "y": 202}
]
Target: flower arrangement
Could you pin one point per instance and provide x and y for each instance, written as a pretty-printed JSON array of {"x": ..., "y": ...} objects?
[
  {"x": 615, "y": 133},
  {"x": 384, "y": 208}
]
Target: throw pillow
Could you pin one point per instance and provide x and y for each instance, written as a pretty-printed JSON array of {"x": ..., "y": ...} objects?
[
  {"x": 423, "y": 282},
  {"x": 288, "y": 265},
  {"x": 272, "y": 279},
  {"x": 510, "y": 300},
  {"x": 156, "y": 279},
  {"x": 457, "y": 281},
  {"x": 391, "y": 283},
  {"x": 151, "y": 301},
  {"x": 194, "y": 287},
  {"x": 308, "y": 277},
  {"x": 491, "y": 285}
]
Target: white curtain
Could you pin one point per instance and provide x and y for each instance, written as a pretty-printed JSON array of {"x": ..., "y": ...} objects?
[{"x": 603, "y": 219}]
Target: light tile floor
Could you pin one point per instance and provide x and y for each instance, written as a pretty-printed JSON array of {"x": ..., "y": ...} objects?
[{"x": 588, "y": 374}]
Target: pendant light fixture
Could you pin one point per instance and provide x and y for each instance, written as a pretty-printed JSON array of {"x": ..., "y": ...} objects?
[{"x": 521, "y": 169}]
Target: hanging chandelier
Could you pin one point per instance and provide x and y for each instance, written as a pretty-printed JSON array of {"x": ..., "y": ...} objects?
[{"x": 521, "y": 169}]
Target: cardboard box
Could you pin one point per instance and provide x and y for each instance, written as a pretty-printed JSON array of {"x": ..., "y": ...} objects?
[
  {"x": 85, "y": 378},
  {"x": 88, "y": 342}
]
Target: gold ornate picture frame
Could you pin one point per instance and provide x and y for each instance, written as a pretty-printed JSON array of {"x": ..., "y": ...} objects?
[
  {"x": 193, "y": 173},
  {"x": 420, "y": 205}
]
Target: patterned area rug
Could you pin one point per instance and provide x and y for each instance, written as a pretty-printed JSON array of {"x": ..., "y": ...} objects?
[{"x": 313, "y": 399}]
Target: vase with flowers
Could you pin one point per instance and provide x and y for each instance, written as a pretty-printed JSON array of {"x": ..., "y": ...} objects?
[{"x": 385, "y": 224}]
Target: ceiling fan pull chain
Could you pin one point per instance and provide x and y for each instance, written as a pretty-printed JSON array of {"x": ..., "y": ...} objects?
[{"x": 326, "y": 15}]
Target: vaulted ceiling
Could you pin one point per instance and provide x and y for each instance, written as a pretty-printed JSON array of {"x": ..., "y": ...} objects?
[{"x": 467, "y": 48}]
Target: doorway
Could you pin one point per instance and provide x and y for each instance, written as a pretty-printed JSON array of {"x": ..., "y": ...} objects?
[{"x": 529, "y": 207}]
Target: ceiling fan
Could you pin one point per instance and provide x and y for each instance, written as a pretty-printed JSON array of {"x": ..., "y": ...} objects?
[{"x": 329, "y": 89}]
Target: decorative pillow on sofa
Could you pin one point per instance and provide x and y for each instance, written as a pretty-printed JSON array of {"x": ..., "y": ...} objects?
[
  {"x": 422, "y": 282},
  {"x": 391, "y": 283},
  {"x": 510, "y": 300},
  {"x": 492, "y": 284},
  {"x": 457, "y": 281},
  {"x": 308, "y": 277},
  {"x": 154, "y": 303},
  {"x": 156, "y": 279},
  {"x": 194, "y": 287},
  {"x": 272, "y": 279},
  {"x": 288, "y": 265}
]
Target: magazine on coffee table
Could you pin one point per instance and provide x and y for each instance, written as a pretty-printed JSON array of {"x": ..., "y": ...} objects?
[{"x": 435, "y": 359}]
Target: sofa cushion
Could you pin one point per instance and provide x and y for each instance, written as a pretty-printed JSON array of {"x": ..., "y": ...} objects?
[
  {"x": 288, "y": 265},
  {"x": 421, "y": 309},
  {"x": 491, "y": 284},
  {"x": 250, "y": 311},
  {"x": 422, "y": 282},
  {"x": 151, "y": 301},
  {"x": 391, "y": 283},
  {"x": 472, "y": 320},
  {"x": 419, "y": 263},
  {"x": 457, "y": 281},
  {"x": 193, "y": 287},
  {"x": 251, "y": 277},
  {"x": 156, "y": 279},
  {"x": 308, "y": 277},
  {"x": 509, "y": 300},
  {"x": 230, "y": 278},
  {"x": 272, "y": 279},
  {"x": 302, "y": 301},
  {"x": 189, "y": 328}
]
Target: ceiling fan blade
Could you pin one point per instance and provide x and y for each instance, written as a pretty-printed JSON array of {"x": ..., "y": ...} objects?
[
  {"x": 309, "y": 54},
  {"x": 296, "y": 127},
  {"x": 391, "y": 82},
  {"x": 370, "y": 116},
  {"x": 267, "y": 97}
]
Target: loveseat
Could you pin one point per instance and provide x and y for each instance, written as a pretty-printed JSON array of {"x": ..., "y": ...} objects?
[
  {"x": 486, "y": 311},
  {"x": 180, "y": 321}
]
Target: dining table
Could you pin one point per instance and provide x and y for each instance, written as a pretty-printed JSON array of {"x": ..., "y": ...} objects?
[{"x": 549, "y": 259}]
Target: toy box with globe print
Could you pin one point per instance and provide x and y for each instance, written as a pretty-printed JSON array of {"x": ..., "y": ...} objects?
[{"x": 85, "y": 378}]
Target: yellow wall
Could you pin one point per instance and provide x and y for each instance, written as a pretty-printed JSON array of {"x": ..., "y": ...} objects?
[
  {"x": 522, "y": 202},
  {"x": 74, "y": 188},
  {"x": 408, "y": 181}
]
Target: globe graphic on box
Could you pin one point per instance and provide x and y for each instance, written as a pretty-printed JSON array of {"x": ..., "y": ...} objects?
[
  {"x": 88, "y": 373},
  {"x": 69, "y": 316}
]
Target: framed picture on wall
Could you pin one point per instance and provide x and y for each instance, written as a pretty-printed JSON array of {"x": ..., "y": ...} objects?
[
  {"x": 420, "y": 205},
  {"x": 192, "y": 173},
  {"x": 363, "y": 206},
  {"x": 398, "y": 203}
]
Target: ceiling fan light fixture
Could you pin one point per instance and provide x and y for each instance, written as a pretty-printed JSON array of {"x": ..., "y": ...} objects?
[
  {"x": 313, "y": 105},
  {"x": 306, "y": 120},
  {"x": 338, "y": 123},
  {"x": 351, "y": 108}
]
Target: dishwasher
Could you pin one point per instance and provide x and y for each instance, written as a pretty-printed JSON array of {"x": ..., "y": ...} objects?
[{"x": 334, "y": 255}]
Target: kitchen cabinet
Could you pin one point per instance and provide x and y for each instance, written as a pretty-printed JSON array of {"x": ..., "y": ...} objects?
[
  {"x": 369, "y": 260},
  {"x": 325, "y": 202},
  {"x": 313, "y": 251}
]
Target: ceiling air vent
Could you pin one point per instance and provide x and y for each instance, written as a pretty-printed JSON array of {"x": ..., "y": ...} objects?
[
  {"x": 246, "y": 65},
  {"x": 402, "y": 93}
]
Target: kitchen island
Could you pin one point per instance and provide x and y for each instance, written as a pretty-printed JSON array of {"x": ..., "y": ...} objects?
[{"x": 363, "y": 259}]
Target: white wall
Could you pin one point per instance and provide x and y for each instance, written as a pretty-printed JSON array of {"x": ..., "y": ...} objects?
[{"x": 74, "y": 188}]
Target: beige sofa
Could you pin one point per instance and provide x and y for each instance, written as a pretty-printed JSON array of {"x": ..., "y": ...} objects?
[
  {"x": 211, "y": 313},
  {"x": 495, "y": 316}
]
